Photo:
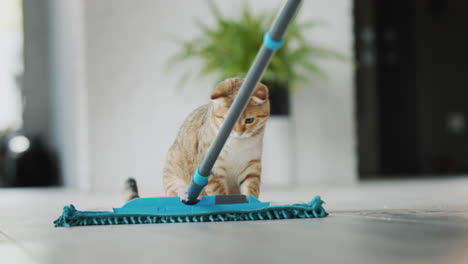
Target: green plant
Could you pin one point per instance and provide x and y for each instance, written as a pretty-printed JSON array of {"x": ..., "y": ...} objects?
[{"x": 228, "y": 49}]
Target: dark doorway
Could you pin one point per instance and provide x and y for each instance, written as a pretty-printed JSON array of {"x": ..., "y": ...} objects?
[{"x": 412, "y": 87}]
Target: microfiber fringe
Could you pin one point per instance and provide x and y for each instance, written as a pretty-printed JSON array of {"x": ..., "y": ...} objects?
[{"x": 72, "y": 217}]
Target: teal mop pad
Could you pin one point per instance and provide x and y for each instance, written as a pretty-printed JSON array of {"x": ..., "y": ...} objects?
[
  {"x": 210, "y": 208},
  {"x": 172, "y": 210}
]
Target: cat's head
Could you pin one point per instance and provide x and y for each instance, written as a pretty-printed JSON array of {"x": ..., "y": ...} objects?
[{"x": 253, "y": 118}]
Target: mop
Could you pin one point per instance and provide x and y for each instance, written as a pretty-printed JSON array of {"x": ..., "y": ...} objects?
[{"x": 209, "y": 208}]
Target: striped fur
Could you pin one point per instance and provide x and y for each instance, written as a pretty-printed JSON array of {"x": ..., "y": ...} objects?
[{"x": 238, "y": 168}]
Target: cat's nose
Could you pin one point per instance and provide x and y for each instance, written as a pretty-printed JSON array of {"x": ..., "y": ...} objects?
[
  {"x": 238, "y": 130},
  {"x": 238, "y": 133}
]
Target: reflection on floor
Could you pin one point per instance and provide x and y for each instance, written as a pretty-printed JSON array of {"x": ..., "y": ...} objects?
[{"x": 422, "y": 221}]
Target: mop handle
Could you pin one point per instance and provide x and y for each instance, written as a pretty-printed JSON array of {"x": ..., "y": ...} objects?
[{"x": 272, "y": 41}]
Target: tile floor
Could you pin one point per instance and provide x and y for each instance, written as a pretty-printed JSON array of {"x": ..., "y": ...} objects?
[{"x": 420, "y": 221}]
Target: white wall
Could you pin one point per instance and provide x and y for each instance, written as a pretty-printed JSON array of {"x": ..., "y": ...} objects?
[
  {"x": 11, "y": 65},
  {"x": 68, "y": 92},
  {"x": 324, "y": 110},
  {"x": 134, "y": 111}
]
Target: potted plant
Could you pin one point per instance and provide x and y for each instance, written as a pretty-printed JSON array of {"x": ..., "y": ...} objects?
[{"x": 228, "y": 48}]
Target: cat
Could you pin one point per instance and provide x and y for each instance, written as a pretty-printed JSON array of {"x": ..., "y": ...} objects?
[{"x": 238, "y": 168}]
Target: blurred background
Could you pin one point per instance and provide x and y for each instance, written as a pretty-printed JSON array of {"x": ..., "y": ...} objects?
[{"x": 93, "y": 92}]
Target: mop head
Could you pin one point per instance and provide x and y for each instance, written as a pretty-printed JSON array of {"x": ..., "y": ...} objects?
[{"x": 219, "y": 208}]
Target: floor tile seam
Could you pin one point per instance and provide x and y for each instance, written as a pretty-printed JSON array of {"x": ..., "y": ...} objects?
[{"x": 18, "y": 244}]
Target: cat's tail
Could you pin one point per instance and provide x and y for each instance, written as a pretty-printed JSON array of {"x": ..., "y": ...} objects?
[{"x": 131, "y": 189}]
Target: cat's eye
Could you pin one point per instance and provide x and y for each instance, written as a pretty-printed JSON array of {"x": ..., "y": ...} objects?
[{"x": 249, "y": 120}]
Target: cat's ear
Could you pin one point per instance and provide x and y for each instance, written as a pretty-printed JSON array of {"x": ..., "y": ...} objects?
[
  {"x": 220, "y": 93},
  {"x": 261, "y": 94},
  {"x": 218, "y": 97}
]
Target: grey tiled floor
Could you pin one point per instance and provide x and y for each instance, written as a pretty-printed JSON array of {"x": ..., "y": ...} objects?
[{"x": 422, "y": 221}]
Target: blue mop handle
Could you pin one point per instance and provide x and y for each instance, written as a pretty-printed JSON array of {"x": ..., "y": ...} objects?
[{"x": 272, "y": 41}]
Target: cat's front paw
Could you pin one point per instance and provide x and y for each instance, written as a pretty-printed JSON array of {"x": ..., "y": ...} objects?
[{"x": 183, "y": 195}]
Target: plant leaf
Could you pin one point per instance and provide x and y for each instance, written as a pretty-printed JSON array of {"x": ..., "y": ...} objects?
[{"x": 229, "y": 47}]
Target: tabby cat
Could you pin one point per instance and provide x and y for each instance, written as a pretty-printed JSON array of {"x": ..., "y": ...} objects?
[{"x": 238, "y": 168}]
